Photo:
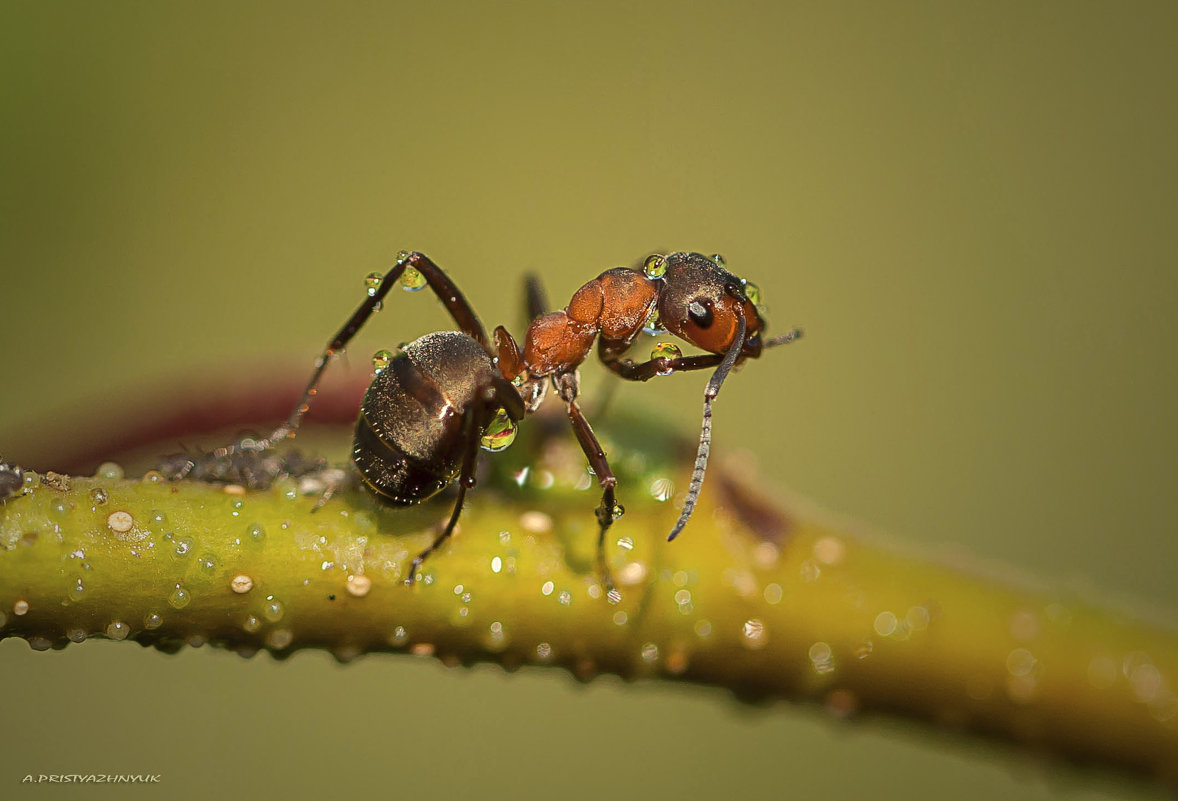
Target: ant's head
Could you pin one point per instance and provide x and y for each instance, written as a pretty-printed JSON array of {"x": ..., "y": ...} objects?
[{"x": 701, "y": 302}]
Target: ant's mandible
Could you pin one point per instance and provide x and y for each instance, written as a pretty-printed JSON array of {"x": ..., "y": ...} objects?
[{"x": 430, "y": 408}]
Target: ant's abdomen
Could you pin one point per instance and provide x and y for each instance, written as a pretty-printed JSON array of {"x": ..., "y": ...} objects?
[{"x": 409, "y": 441}]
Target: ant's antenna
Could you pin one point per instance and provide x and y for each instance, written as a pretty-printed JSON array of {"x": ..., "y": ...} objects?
[
  {"x": 705, "y": 434},
  {"x": 784, "y": 339}
]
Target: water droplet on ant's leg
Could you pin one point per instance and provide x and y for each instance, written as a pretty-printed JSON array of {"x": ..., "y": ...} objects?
[
  {"x": 412, "y": 280},
  {"x": 380, "y": 360},
  {"x": 653, "y": 325},
  {"x": 372, "y": 283},
  {"x": 655, "y": 266},
  {"x": 500, "y": 433},
  {"x": 666, "y": 350}
]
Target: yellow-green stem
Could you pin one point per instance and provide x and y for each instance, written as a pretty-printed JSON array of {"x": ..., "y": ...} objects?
[{"x": 769, "y": 600}]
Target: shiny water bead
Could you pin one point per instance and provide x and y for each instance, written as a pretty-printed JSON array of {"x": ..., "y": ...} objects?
[
  {"x": 500, "y": 433},
  {"x": 666, "y": 350},
  {"x": 617, "y": 511},
  {"x": 380, "y": 360},
  {"x": 402, "y": 256},
  {"x": 752, "y": 292},
  {"x": 372, "y": 283},
  {"x": 653, "y": 325},
  {"x": 718, "y": 260},
  {"x": 655, "y": 266},
  {"x": 412, "y": 280}
]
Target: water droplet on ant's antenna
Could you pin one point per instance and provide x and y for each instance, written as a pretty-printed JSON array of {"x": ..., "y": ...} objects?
[
  {"x": 412, "y": 280},
  {"x": 666, "y": 350},
  {"x": 372, "y": 283},
  {"x": 499, "y": 433},
  {"x": 752, "y": 292},
  {"x": 655, "y": 266},
  {"x": 380, "y": 360}
]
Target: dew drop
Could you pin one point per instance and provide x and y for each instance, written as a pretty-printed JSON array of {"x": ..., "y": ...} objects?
[
  {"x": 666, "y": 350},
  {"x": 885, "y": 624},
  {"x": 118, "y": 630},
  {"x": 179, "y": 598},
  {"x": 402, "y": 256},
  {"x": 543, "y": 652},
  {"x": 821, "y": 658},
  {"x": 273, "y": 610},
  {"x": 182, "y": 547},
  {"x": 76, "y": 635},
  {"x": 654, "y": 324},
  {"x": 256, "y": 531},
  {"x": 773, "y": 593},
  {"x": 152, "y": 477},
  {"x": 251, "y": 623},
  {"x": 412, "y": 280},
  {"x": 372, "y": 283},
  {"x": 719, "y": 261},
  {"x": 77, "y": 591},
  {"x": 60, "y": 507},
  {"x": 620, "y": 618},
  {"x": 208, "y": 565},
  {"x": 617, "y": 511},
  {"x": 655, "y": 266},
  {"x": 99, "y": 496},
  {"x": 21, "y": 607},
  {"x": 499, "y": 433},
  {"x": 496, "y": 564},
  {"x": 400, "y": 636},
  {"x": 153, "y": 620},
  {"x": 381, "y": 360},
  {"x": 359, "y": 585},
  {"x": 280, "y": 638},
  {"x": 614, "y": 596},
  {"x": 547, "y": 588},
  {"x": 112, "y": 471},
  {"x": 661, "y": 489},
  {"x": 650, "y": 653},
  {"x": 755, "y": 636},
  {"x": 159, "y": 517},
  {"x": 40, "y": 643},
  {"x": 752, "y": 292},
  {"x": 241, "y": 584},
  {"x": 565, "y": 597},
  {"x": 626, "y": 543},
  {"x": 864, "y": 649}
]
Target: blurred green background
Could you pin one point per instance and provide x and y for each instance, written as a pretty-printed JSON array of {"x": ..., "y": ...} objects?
[{"x": 971, "y": 207}]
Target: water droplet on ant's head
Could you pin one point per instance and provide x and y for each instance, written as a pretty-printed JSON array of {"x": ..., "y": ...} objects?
[
  {"x": 380, "y": 360},
  {"x": 719, "y": 261},
  {"x": 412, "y": 280},
  {"x": 655, "y": 266},
  {"x": 666, "y": 350},
  {"x": 752, "y": 292},
  {"x": 500, "y": 432},
  {"x": 372, "y": 283}
]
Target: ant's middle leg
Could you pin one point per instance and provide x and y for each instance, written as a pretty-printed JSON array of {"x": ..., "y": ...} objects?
[
  {"x": 453, "y": 299},
  {"x": 611, "y": 357},
  {"x": 566, "y": 385}
]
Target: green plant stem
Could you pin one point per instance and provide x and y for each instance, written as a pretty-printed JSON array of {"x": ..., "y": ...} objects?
[{"x": 768, "y": 600}]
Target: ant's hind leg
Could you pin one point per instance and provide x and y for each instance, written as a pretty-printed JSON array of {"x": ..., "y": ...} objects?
[
  {"x": 609, "y": 510},
  {"x": 449, "y": 294}
]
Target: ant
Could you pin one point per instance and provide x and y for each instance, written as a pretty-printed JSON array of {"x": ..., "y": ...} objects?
[{"x": 431, "y": 407}]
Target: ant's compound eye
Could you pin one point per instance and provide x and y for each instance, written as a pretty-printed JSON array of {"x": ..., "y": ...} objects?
[{"x": 700, "y": 314}]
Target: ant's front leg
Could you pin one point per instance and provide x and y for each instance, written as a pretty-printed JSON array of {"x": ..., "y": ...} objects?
[
  {"x": 611, "y": 356},
  {"x": 567, "y": 386}
]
